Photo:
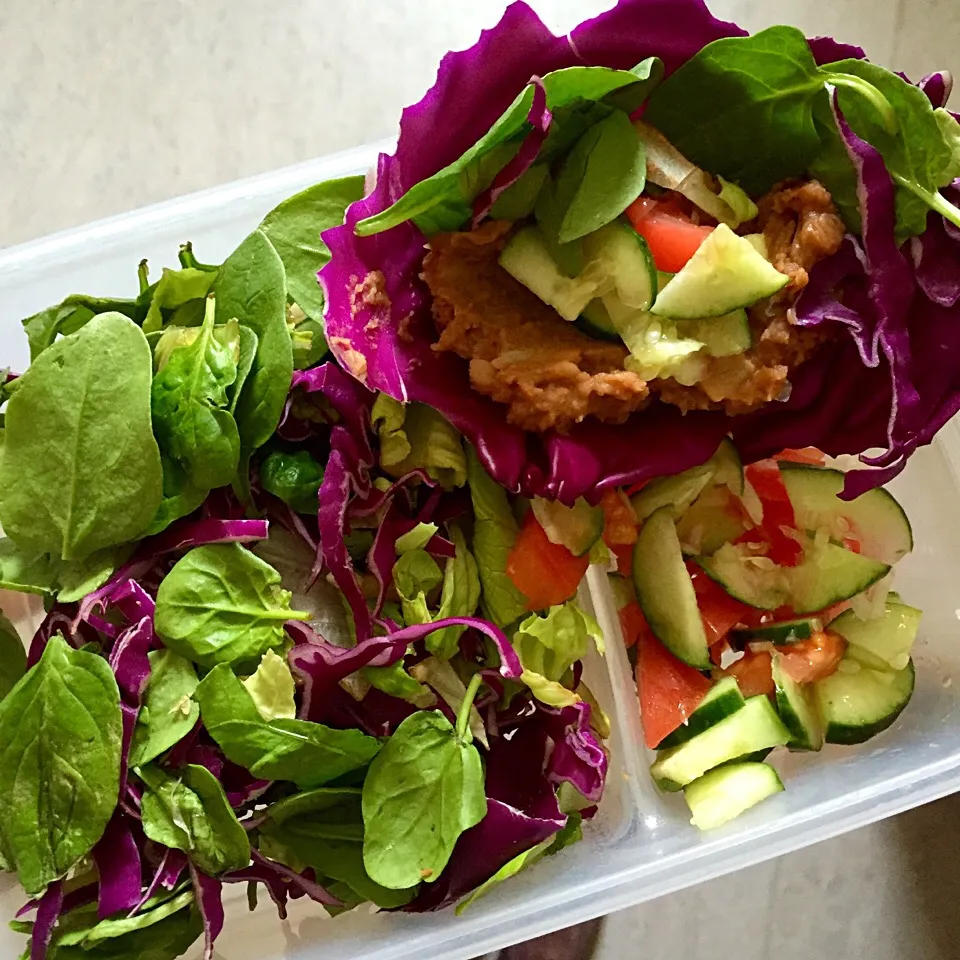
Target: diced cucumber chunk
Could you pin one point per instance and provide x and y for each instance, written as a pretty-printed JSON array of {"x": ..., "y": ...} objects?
[
  {"x": 721, "y": 795},
  {"x": 656, "y": 349},
  {"x": 709, "y": 523},
  {"x": 888, "y": 639},
  {"x": 577, "y": 528},
  {"x": 783, "y": 632},
  {"x": 827, "y": 575},
  {"x": 721, "y": 336},
  {"x": 874, "y": 518},
  {"x": 622, "y": 255},
  {"x": 595, "y": 322},
  {"x": 797, "y": 706},
  {"x": 527, "y": 258},
  {"x": 857, "y": 703},
  {"x": 755, "y": 726},
  {"x": 720, "y": 701},
  {"x": 665, "y": 592},
  {"x": 725, "y": 274}
]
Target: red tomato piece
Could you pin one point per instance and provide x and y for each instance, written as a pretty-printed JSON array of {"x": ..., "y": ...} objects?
[
  {"x": 764, "y": 476},
  {"x": 808, "y": 455},
  {"x": 813, "y": 659},
  {"x": 545, "y": 573},
  {"x": 719, "y": 611},
  {"x": 632, "y": 623},
  {"x": 619, "y": 520},
  {"x": 753, "y": 673},
  {"x": 669, "y": 689},
  {"x": 672, "y": 237},
  {"x": 624, "y": 554}
]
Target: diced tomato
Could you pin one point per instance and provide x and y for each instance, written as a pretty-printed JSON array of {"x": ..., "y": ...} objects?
[
  {"x": 632, "y": 623},
  {"x": 624, "y": 554},
  {"x": 719, "y": 611},
  {"x": 813, "y": 659},
  {"x": 809, "y": 455},
  {"x": 764, "y": 476},
  {"x": 635, "y": 487},
  {"x": 545, "y": 573},
  {"x": 619, "y": 520},
  {"x": 668, "y": 688},
  {"x": 753, "y": 673},
  {"x": 851, "y": 543},
  {"x": 672, "y": 237}
]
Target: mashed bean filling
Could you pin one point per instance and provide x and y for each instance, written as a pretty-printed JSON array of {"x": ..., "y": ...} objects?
[{"x": 551, "y": 376}]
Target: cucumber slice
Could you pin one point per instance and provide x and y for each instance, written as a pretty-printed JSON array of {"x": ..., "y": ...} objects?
[
  {"x": 527, "y": 258},
  {"x": 665, "y": 592},
  {"x": 875, "y": 517},
  {"x": 857, "y": 703},
  {"x": 728, "y": 468},
  {"x": 719, "y": 796},
  {"x": 721, "y": 336},
  {"x": 827, "y": 575},
  {"x": 725, "y": 273},
  {"x": 720, "y": 701},
  {"x": 783, "y": 632},
  {"x": 709, "y": 523},
  {"x": 622, "y": 590},
  {"x": 797, "y": 706},
  {"x": 595, "y": 322},
  {"x": 888, "y": 639},
  {"x": 755, "y": 726},
  {"x": 622, "y": 255},
  {"x": 577, "y": 528}
]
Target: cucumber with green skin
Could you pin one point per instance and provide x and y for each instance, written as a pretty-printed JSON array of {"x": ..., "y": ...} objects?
[
  {"x": 720, "y": 701},
  {"x": 798, "y": 708},
  {"x": 723, "y": 794},
  {"x": 782, "y": 632},
  {"x": 887, "y": 640},
  {"x": 577, "y": 528}
]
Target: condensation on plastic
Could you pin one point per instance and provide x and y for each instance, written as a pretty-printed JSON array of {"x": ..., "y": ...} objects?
[{"x": 641, "y": 845}]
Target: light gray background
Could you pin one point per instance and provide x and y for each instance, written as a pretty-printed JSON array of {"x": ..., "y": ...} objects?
[{"x": 106, "y": 105}]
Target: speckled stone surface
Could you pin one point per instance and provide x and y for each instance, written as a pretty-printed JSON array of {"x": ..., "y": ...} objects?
[{"x": 106, "y": 105}]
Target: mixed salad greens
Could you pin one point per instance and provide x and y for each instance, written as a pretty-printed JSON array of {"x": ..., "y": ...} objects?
[
  {"x": 310, "y": 621},
  {"x": 280, "y": 645}
]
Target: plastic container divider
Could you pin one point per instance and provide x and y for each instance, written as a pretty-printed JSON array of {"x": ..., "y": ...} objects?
[{"x": 640, "y": 845}]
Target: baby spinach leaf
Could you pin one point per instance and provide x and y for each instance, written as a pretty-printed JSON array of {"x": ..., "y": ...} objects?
[
  {"x": 245, "y": 358},
  {"x": 832, "y": 166},
  {"x": 251, "y": 287},
  {"x": 190, "y": 812},
  {"x": 600, "y": 177},
  {"x": 68, "y": 317},
  {"x": 424, "y": 788},
  {"x": 742, "y": 107},
  {"x": 174, "y": 289},
  {"x": 307, "y": 338},
  {"x": 60, "y": 738},
  {"x": 77, "y": 578},
  {"x": 81, "y": 468},
  {"x": 459, "y": 598},
  {"x": 271, "y": 688},
  {"x": 111, "y": 929},
  {"x": 25, "y": 571},
  {"x": 222, "y": 604},
  {"x": 494, "y": 533},
  {"x": 519, "y": 199},
  {"x": 309, "y": 754},
  {"x": 13, "y": 657},
  {"x": 189, "y": 403},
  {"x": 443, "y": 201},
  {"x": 294, "y": 478},
  {"x": 294, "y": 229},
  {"x": 169, "y": 711},
  {"x": 510, "y": 869},
  {"x": 180, "y": 497}
]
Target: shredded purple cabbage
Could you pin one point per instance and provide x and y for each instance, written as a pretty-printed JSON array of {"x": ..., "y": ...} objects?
[
  {"x": 209, "y": 894},
  {"x": 117, "y": 857}
]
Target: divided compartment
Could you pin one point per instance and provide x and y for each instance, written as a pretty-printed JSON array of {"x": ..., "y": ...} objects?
[{"x": 641, "y": 844}]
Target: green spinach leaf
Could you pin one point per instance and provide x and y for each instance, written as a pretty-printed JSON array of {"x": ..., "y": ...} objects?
[
  {"x": 494, "y": 533},
  {"x": 68, "y": 317},
  {"x": 600, "y": 177},
  {"x": 223, "y": 604},
  {"x": 13, "y": 657},
  {"x": 189, "y": 402},
  {"x": 60, "y": 738},
  {"x": 25, "y": 571},
  {"x": 294, "y": 478},
  {"x": 520, "y": 198},
  {"x": 144, "y": 919},
  {"x": 77, "y": 578},
  {"x": 176, "y": 288},
  {"x": 271, "y": 688},
  {"x": 251, "y": 287},
  {"x": 309, "y": 754},
  {"x": 180, "y": 497},
  {"x": 81, "y": 468},
  {"x": 248, "y": 351},
  {"x": 294, "y": 229},
  {"x": 169, "y": 711},
  {"x": 422, "y": 791},
  {"x": 190, "y": 812}
]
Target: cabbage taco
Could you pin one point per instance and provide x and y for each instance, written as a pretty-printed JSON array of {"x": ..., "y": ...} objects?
[{"x": 599, "y": 254}]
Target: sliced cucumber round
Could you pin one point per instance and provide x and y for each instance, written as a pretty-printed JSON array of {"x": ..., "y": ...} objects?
[
  {"x": 720, "y": 701},
  {"x": 720, "y": 795},
  {"x": 725, "y": 274},
  {"x": 782, "y": 632},
  {"x": 622, "y": 255},
  {"x": 827, "y": 575},
  {"x": 721, "y": 336},
  {"x": 755, "y": 726},
  {"x": 577, "y": 528},
  {"x": 797, "y": 706},
  {"x": 595, "y": 322},
  {"x": 887, "y": 640},
  {"x": 676, "y": 492},
  {"x": 857, "y": 703},
  {"x": 709, "y": 523},
  {"x": 665, "y": 592},
  {"x": 874, "y": 518}
]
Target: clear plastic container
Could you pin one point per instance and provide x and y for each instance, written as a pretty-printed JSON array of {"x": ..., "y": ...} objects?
[{"x": 641, "y": 844}]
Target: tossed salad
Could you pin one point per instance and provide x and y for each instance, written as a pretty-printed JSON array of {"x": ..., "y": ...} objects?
[{"x": 280, "y": 646}]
